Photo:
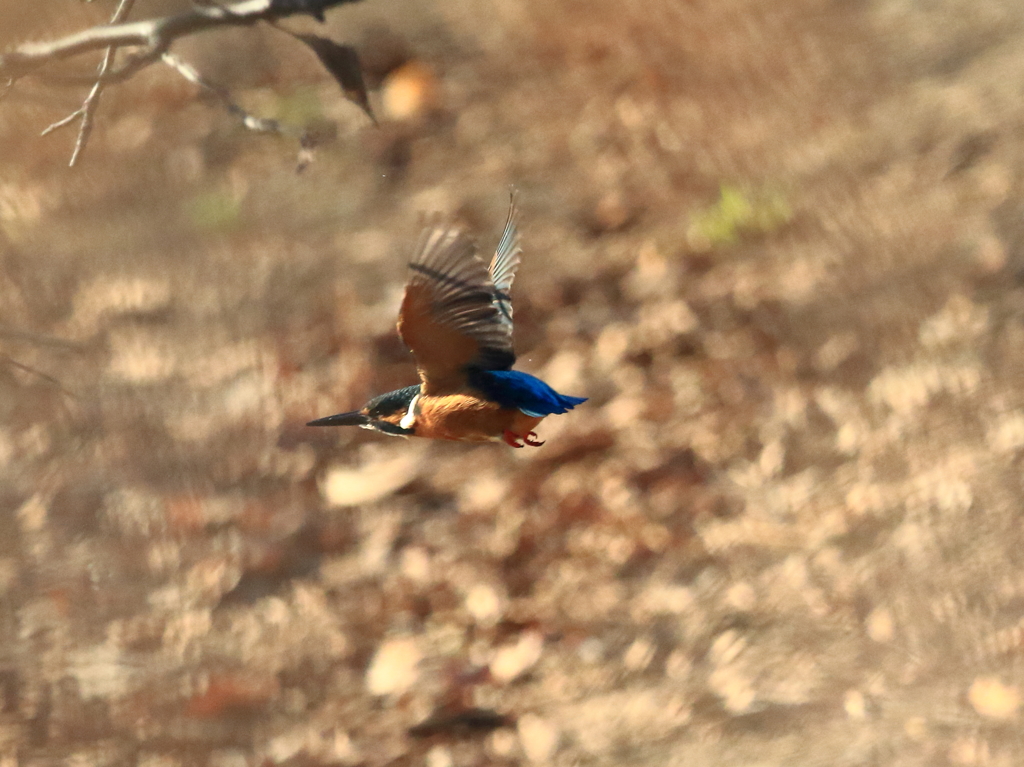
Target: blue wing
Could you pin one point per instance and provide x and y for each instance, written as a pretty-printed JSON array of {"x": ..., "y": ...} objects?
[{"x": 515, "y": 390}]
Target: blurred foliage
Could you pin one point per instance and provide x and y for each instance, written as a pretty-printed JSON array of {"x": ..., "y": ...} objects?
[
  {"x": 299, "y": 107},
  {"x": 737, "y": 213},
  {"x": 214, "y": 210}
]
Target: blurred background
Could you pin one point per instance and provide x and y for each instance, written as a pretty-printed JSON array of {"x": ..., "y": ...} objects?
[{"x": 779, "y": 245}]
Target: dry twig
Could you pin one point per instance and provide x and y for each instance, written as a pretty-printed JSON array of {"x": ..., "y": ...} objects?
[
  {"x": 150, "y": 41},
  {"x": 88, "y": 109},
  {"x": 258, "y": 124}
]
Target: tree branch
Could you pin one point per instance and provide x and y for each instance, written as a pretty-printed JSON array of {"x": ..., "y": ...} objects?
[
  {"x": 153, "y": 38},
  {"x": 88, "y": 109},
  {"x": 258, "y": 124},
  {"x": 154, "y": 35}
]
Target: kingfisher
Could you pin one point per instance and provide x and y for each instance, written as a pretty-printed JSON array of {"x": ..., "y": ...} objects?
[{"x": 456, "y": 318}]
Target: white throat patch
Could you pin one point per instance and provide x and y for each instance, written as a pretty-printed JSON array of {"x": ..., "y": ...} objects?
[{"x": 409, "y": 419}]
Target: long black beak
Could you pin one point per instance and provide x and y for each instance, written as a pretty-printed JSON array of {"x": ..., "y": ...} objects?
[{"x": 355, "y": 418}]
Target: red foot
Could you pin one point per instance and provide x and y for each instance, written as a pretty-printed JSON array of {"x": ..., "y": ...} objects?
[
  {"x": 531, "y": 439},
  {"x": 512, "y": 439}
]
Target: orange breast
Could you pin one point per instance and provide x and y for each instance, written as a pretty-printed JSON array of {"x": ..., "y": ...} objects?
[{"x": 468, "y": 418}]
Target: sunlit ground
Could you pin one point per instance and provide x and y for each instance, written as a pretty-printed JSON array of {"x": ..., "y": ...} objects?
[{"x": 778, "y": 246}]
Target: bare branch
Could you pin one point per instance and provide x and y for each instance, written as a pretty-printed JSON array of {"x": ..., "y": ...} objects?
[
  {"x": 154, "y": 35},
  {"x": 307, "y": 139},
  {"x": 151, "y": 40},
  {"x": 32, "y": 371},
  {"x": 39, "y": 339},
  {"x": 92, "y": 101},
  {"x": 258, "y": 124},
  {"x": 62, "y": 122},
  {"x": 129, "y": 67},
  {"x": 88, "y": 109}
]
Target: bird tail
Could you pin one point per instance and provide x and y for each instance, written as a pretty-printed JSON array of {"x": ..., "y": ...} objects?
[
  {"x": 566, "y": 402},
  {"x": 522, "y": 391}
]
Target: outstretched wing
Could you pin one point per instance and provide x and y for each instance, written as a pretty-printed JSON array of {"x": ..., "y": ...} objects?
[
  {"x": 505, "y": 262},
  {"x": 450, "y": 315}
]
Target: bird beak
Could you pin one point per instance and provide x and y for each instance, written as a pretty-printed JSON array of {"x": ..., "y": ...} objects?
[{"x": 355, "y": 418}]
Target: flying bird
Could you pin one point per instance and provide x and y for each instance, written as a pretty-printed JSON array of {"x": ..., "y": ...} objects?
[{"x": 456, "y": 317}]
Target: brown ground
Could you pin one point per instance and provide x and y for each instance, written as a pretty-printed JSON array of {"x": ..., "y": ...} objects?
[{"x": 785, "y": 530}]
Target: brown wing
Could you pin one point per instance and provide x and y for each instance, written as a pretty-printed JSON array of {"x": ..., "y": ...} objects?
[{"x": 450, "y": 316}]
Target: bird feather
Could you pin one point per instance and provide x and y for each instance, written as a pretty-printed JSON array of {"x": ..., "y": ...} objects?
[
  {"x": 513, "y": 389},
  {"x": 450, "y": 316}
]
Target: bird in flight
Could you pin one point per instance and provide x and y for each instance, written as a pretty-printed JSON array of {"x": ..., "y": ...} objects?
[{"x": 456, "y": 317}]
